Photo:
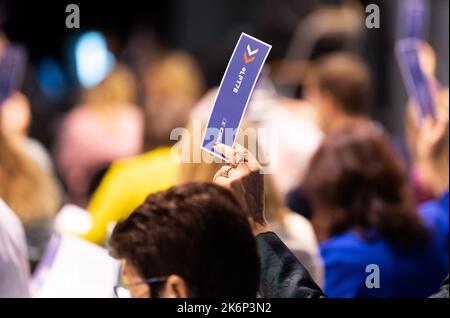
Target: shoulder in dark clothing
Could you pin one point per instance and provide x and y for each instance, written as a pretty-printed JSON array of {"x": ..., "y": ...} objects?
[{"x": 282, "y": 275}]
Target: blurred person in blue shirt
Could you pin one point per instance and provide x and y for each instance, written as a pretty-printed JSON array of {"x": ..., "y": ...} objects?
[
  {"x": 433, "y": 153},
  {"x": 30, "y": 191},
  {"x": 373, "y": 242},
  {"x": 435, "y": 215}
]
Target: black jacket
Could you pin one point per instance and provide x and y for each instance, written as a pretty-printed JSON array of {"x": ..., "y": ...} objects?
[{"x": 282, "y": 275}]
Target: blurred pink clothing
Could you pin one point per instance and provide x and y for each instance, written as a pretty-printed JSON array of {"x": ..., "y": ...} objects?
[{"x": 90, "y": 141}]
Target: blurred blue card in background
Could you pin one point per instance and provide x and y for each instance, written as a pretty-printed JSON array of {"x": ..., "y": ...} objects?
[
  {"x": 413, "y": 19},
  {"x": 234, "y": 92},
  {"x": 12, "y": 69},
  {"x": 417, "y": 84}
]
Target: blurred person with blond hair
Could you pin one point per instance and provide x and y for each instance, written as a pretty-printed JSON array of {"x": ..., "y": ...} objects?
[
  {"x": 107, "y": 126},
  {"x": 173, "y": 85},
  {"x": 16, "y": 118},
  {"x": 30, "y": 192},
  {"x": 28, "y": 186}
]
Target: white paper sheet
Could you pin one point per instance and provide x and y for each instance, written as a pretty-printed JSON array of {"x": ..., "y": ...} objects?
[{"x": 75, "y": 268}]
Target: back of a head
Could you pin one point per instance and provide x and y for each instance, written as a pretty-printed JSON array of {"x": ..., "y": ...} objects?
[
  {"x": 21, "y": 177},
  {"x": 117, "y": 88},
  {"x": 196, "y": 231},
  {"x": 357, "y": 182},
  {"x": 173, "y": 86},
  {"x": 346, "y": 78},
  {"x": 177, "y": 74}
]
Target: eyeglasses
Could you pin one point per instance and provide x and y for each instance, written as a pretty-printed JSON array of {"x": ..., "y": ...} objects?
[{"x": 123, "y": 290}]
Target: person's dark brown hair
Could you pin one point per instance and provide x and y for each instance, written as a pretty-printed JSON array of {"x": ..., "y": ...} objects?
[
  {"x": 346, "y": 78},
  {"x": 196, "y": 231},
  {"x": 356, "y": 182}
]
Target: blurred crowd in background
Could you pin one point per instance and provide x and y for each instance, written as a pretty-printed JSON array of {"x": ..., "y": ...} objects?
[{"x": 361, "y": 178}]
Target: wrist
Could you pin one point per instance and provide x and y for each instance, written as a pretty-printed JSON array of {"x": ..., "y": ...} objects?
[{"x": 259, "y": 228}]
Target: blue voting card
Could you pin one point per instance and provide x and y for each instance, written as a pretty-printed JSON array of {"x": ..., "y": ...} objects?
[
  {"x": 417, "y": 84},
  {"x": 12, "y": 69},
  {"x": 413, "y": 18},
  {"x": 234, "y": 92}
]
